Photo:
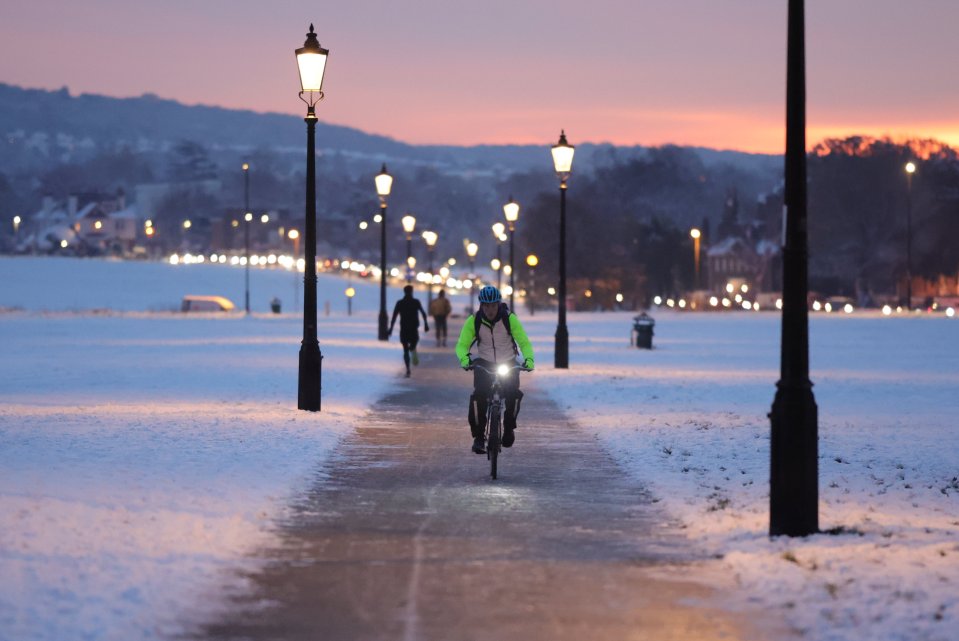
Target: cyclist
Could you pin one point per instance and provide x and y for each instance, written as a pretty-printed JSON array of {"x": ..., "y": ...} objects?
[
  {"x": 409, "y": 310},
  {"x": 499, "y": 337}
]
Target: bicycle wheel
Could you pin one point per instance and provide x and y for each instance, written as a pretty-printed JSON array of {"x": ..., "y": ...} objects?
[{"x": 492, "y": 446}]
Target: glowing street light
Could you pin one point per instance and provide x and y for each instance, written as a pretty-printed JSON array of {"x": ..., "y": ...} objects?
[
  {"x": 498, "y": 234},
  {"x": 562, "y": 153},
  {"x": 409, "y": 224},
  {"x": 532, "y": 261},
  {"x": 910, "y": 170},
  {"x": 311, "y": 60},
  {"x": 695, "y": 234},
  {"x": 471, "y": 250},
  {"x": 350, "y": 293},
  {"x": 430, "y": 237},
  {"x": 511, "y": 213},
  {"x": 384, "y": 184}
]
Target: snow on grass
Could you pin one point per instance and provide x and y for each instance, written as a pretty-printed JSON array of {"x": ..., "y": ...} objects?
[{"x": 689, "y": 419}]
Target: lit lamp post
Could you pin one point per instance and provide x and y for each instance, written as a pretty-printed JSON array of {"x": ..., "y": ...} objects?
[
  {"x": 294, "y": 235},
  {"x": 793, "y": 478},
  {"x": 910, "y": 170},
  {"x": 430, "y": 237},
  {"x": 384, "y": 183},
  {"x": 350, "y": 293},
  {"x": 563, "y": 164},
  {"x": 409, "y": 224},
  {"x": 511, "y": 212},
  {"x": 471, "y": 249},
  {"x": 498, "y": 231},
  {"x": 532, "y": 261},
  {"x": 247, "y": 216},
  {"x": 695, "y": 234},
  {"x": 311, "y": 60},
  {"x": 16, "y": 227}
]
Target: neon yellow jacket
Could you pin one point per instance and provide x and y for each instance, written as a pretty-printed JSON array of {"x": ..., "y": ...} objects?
[{"x": 493, "y": 339}]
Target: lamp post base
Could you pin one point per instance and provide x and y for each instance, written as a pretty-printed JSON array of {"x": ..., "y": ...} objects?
[
  {"x": 311, "y": 376},
  {"x": 561, "y": 360},
  {"x": 794, "y": 468},
  {"x": 383, "y": 330}
]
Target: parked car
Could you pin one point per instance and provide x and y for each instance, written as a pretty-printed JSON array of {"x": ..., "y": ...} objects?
[{"x": 206, "y": 304}]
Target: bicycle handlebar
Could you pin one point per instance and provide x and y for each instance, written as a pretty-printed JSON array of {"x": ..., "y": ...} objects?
[{"x": 494, "y": 372}]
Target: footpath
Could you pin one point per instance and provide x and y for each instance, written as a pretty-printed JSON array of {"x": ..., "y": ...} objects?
[{"x": 407, "y": 538}]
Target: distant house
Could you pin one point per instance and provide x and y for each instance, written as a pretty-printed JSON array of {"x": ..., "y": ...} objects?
[
  {"x": 88, "y": 223},
  {"x": 737, "y": 259}
]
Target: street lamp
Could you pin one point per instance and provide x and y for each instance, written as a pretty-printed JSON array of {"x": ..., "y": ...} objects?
[
  {"x": 16, "y": 226},
  {"x": 430, "y": 237},
  {"x": 311, "y": 60},
  {"x": 350, "y": 293},
  {"x": 532, "y": 261},
  {"x": 793, "y": 477},
  {"x": 563, "y": 164},
  {"x": 409, "y": 224},
  {"x": 498, "y": 232},
  {"x": 471, "y": 249},
  {"x": 384, "y": 183},
  {"x": 910, "y": 170},
  {"x": 294, "y": 235},
  {"x": 248, "y": 217},
  {"x": 695, "y": 234},
  {"x": 511, "y": 212}
]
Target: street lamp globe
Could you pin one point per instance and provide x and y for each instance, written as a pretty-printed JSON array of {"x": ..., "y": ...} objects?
[
  {"x": 563, "y": 157},
  {"x": 694, "y": 233},
  {"x": 430, "y": 237},
  {"x": 248, "y": 217},
  {"x": 532, "y": 260},
  {"x": 384, "y": 183},
  {"x": 498, "y": 230},
  {"x": 496, "y": 264},
  {"x": 910, "y": 167},
  {"x": 471, "y": 250},
  {"x": 409, "y": 223},
  {"x": 311, "y": 60},
  {"x": 511, "y": 211},
  {"x": 265, "y": 218},
  {"x": 293, "y": 234}
]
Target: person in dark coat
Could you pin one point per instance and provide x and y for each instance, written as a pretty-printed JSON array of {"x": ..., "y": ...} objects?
[{"x": 409, "y": 310}]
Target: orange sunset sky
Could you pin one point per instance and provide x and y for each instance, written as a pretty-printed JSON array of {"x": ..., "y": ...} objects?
[{"x": 692, "y": 72}]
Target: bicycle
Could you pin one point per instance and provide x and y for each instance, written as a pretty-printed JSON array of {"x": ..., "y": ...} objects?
[{"x": 495, "y": 405}]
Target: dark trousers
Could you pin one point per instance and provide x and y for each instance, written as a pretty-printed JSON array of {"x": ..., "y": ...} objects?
[
  {"x": 409, "y": 339},
  {"x": 439, "y": 323},
  {"x": 482, "y": 383}
]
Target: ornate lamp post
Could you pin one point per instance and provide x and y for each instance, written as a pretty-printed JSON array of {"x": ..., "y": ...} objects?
[
  {"x": 409, "y": 224},
  {"x": 511, "y": 212},
  {"x": 499, "y": 230},
  {"x": 532, "y": 261},
  {"x": 430, "y": 237},
  {"x": 695, "y": 234},
  {"x": 247, "y": 216},
  {"x": 311, "y": 60},
  {"x": 563, "y": 164},
  {"x": 910, "y": 170},
  {"x": 471, "y": 249},
  {"x": 794, "y": 475},
  {"x": 384, "y": 183}
]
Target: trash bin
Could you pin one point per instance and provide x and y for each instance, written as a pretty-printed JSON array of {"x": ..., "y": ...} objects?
[
  {"x": 643, "y": 328},
  {"x": 275, "y": 305}
]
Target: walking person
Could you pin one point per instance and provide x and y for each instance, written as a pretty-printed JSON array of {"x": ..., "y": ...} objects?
[
  {"x": 440, "y": 308},
  {"x": 492, "y": 336},
  {"x": 409, "y": 310}
]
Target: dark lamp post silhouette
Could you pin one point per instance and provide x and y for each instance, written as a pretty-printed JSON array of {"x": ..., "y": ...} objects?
[
  {"x": 409, "y": 224},
  {"x": 794, "y": 473},
  {"x": 532, "y": 261},
  {"x": 910, "y": 170},
  {"x": 247, "y": 217},
  {"x": 695, "y": 234},
  {"x": 471, "y": 249},
  {"x": 430, "y": 238},
  {"x": 511, "y": 213},
  {"x": 384, "y": 184},
  {"x": 311, "y": 61},
  {"x": 563, "y": 164}
]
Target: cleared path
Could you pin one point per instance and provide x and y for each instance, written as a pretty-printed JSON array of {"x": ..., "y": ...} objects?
[{"x": 409, "y": 538}]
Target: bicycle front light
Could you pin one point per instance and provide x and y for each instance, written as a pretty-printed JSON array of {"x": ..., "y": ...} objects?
[{"x": 502, "y": 370}]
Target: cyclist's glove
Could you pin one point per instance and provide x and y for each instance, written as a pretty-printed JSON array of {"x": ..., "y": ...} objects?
[
  {"x": 528, "y": 363},
  {"x": 466, "y": 363}
]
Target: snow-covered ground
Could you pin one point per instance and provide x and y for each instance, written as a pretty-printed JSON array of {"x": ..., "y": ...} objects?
[
  {"x": 689, "y": 419},
  {"x": 143, "y": 452}
]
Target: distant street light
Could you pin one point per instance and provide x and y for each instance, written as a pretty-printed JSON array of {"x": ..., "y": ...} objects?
[
  {"x": 248, "y": 217},
  {"x": 384, "y": 183},
  {"x": 471, "y": 249},
  {"x": 498, "y": 232},
  {"x": 350, "y": 293},
  {"x": 910, "y": 170},
  {"x": 409, "y": 225},
  {"x": 532, "y": 261},
  {"x": 563, "y": 164},
  {"x": 311, "y": 60},
  {"x": 511, "y": 213},
  {"x": 794, "y": 474},
  {"x": 294, "y": 235},
  {"x": 695, "y": 234},
  {"x": 430, "y": 237},
  {"x": 16, "y": 226}
]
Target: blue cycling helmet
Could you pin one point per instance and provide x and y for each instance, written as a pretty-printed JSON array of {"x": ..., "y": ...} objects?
[{"x": 489, "y": 294}]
